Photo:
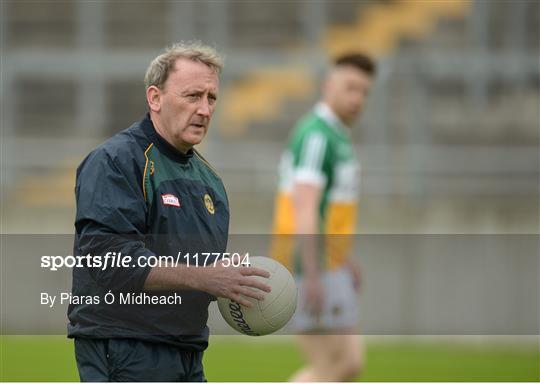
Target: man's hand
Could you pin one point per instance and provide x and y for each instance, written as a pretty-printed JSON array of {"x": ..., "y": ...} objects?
[
  {"x": 234, "y": 283},
  {"x": 313, "y": 295},
  {"x": 356, "y": 273}
]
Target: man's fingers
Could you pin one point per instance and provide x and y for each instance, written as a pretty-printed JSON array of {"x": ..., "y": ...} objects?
[
  {"x": 254, "y": 294},
  {"x": 256, "y": 284},
  {"x": 253, "y": 271},
  {"x": 242, "y": 300}
]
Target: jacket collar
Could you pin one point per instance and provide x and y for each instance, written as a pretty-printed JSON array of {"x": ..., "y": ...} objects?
[
  {"x": 170, "y": 151},
  {"x": 324, "y": 111}
]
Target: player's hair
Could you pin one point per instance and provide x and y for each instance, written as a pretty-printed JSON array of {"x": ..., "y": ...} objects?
[
  {"x": 359, "y": 61},
  {"x": 159, "y": 69}
]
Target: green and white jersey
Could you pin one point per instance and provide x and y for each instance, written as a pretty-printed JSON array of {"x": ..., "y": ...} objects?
[{"x": 320, "y": 152}]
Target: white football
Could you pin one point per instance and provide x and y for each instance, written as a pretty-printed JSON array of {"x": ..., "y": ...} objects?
[{"x": 268, "y": 315}]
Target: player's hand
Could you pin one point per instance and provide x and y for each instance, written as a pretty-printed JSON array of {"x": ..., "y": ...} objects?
[
  {"x": 235, "y": 283},
  {"x": 313, "y": 295},
  {"x": 356, "y": 273}
]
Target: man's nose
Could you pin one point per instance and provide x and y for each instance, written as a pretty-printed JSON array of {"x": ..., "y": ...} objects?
[{"x": 204, "y": 108}]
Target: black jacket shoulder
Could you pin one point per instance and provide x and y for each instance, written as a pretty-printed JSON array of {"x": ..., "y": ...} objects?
[{"x": 125, "y": 150}]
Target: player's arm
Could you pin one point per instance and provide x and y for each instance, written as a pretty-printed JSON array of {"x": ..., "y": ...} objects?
[
  {"x": 309, "y": 183},
  {"x": 306, "y": 200},
  {"x": 308, "y": 187}
]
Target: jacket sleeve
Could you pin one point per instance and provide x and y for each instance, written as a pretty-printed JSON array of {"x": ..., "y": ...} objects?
[{"x": 111, "y": 217}]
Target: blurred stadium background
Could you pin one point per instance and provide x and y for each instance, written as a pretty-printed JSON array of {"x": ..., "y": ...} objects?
[{"x": 449, "y": 143}]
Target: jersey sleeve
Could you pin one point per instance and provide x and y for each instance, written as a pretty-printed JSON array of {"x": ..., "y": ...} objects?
[
  {"x": 309, "y": 159},
  {"x": 111, "y": 217}
]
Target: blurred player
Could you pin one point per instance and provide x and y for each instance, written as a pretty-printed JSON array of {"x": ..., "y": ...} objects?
[{"x": 318, "y": 194}]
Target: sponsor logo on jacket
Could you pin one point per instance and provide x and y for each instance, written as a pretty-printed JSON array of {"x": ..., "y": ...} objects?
[{"x": 169, "y": 199}]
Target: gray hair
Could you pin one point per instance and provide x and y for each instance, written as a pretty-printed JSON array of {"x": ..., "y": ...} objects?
[{"x": 159, "y": 69}]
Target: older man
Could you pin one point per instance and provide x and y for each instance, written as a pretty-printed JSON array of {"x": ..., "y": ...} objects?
[{"x": 147, "y": 192}]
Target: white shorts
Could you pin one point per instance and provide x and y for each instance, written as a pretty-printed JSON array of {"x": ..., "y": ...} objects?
[{"x": 340, "y": 308}]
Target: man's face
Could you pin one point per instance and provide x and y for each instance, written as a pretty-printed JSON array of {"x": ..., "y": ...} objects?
[
  {"x": 346, "y": 91},
  {"x": 186, "y": 103}
]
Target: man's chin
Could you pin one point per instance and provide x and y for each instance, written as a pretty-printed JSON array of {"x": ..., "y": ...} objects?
[
  {"x": 351, "y": 118},
  {"x": 195, "y": 139}
]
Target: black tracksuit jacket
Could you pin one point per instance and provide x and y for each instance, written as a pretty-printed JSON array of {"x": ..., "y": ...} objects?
[{"x": 136, "y": 194}]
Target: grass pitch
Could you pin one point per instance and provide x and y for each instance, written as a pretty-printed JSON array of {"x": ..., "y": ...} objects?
[{"x": 50, "y": 358}]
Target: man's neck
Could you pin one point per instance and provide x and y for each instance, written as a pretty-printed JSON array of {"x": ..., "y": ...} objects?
[
  {"x": 328, "y": 113},
  {"x": 165, "y": 134}
]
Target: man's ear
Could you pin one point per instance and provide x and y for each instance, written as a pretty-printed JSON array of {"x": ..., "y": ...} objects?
[{"x": 153, "y": 98}]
